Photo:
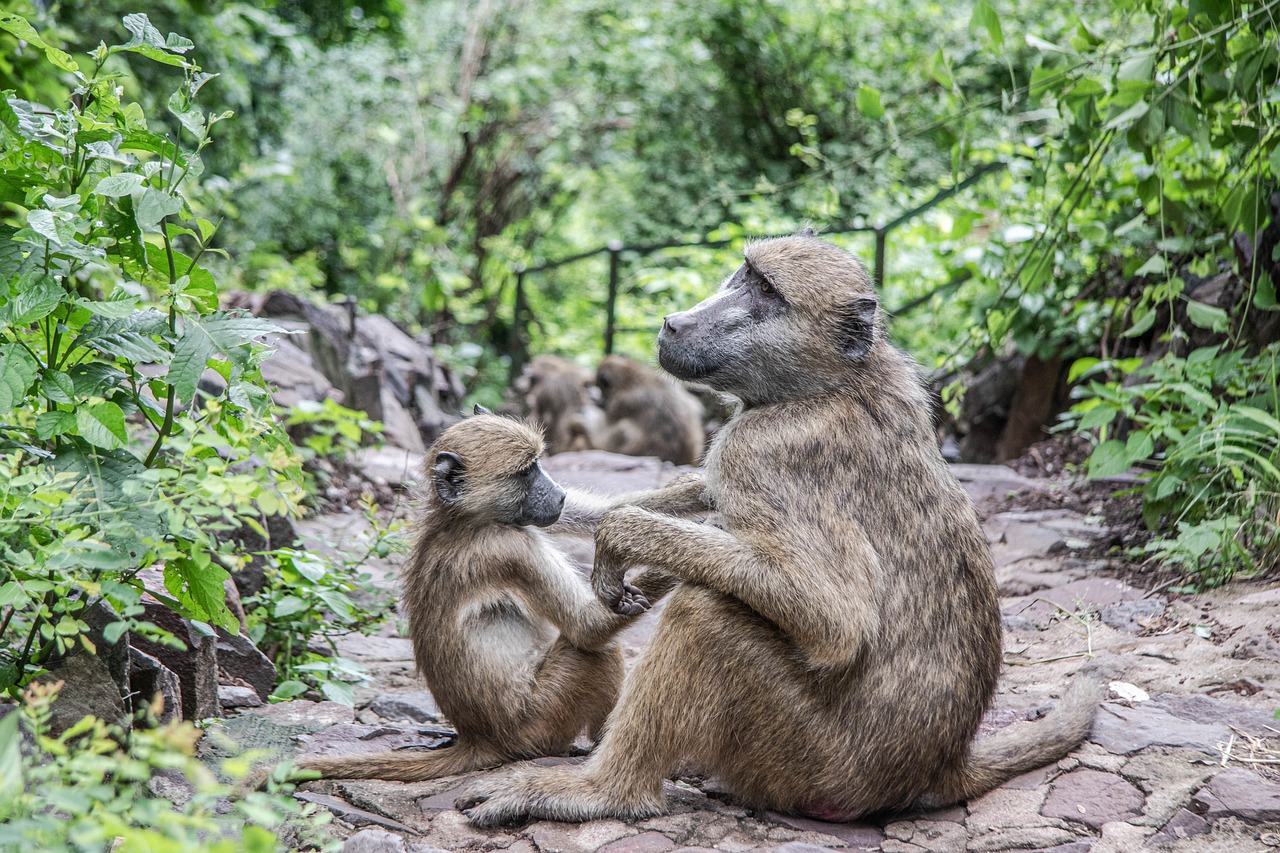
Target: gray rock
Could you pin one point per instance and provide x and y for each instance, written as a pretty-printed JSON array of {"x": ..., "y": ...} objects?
[
  {"x": 313, "y": 716},
  {"x": 1090, "y": 594},
  {"x": 1257, "y": 646},
  {"x": 395, "y": 466},
  {"x": 231, "y": 696},
  {"x": 855, "y": 834},
  {"x": 196, "y": 666},
  {"x": 645, "y": 842},
  {"x": 353, "y": 739},
  {"x": 239, "y": 658},
  {"x": 986, "y": 481},
  {"x": 578, "y": 837},
  {"x": 1238, "y": 793},
  {"x": 1093, "y": 798},
  {"x": 148, "y": 677},
  {"x": 374, "y": 841},
  {"x": 351, "y": 814},
  {"x": 294, "y": 378},
  {"x": 399, "y": 429},
  {"x": 608, "y": 473},
  {"x": 1128, "y": 615},
  {"x": 418, "y": 706},
  {"x": 1208, "y": 710},
  {"x": 88, "y": 689},
  {"x": 362, "y": 648},
  {"x": 1123, "y": 731},
  {"x": 1184, "y": 824}
]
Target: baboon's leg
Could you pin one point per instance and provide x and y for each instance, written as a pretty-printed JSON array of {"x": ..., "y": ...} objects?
[
  {"x": 573, "y": 690},
  {"x": 717, "y": 686}
]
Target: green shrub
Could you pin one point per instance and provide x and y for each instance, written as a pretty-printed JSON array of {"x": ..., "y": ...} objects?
[{"x": 112, "y": 456}]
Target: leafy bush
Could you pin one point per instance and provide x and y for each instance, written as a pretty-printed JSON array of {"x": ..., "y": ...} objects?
[
  {"x": 309, "y": 600},
  {"x": 1206, "y": 427},
  {"x": 90, "y": 789},
  {"x": 137, "y": 424}
]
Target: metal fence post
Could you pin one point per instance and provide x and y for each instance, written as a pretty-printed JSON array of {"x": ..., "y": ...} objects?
[
  {"x": 518, "y": 344},
  {"x": 611, "y": 304},
  {"x": 881, "y": 233}
]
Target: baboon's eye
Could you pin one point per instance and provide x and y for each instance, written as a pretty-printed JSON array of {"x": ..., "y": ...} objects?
[{"x": 765, "y": 286}]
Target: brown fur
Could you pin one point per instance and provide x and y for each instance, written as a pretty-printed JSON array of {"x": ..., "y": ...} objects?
[
  {"x": 646, "y": 414},
  {"x": 555, "y": 393},
  {"x": 512, "y": 643},
  {"x": 832, "y": 649}
]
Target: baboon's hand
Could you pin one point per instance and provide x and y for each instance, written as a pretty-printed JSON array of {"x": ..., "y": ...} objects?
[{"x": 632, "y": 602}]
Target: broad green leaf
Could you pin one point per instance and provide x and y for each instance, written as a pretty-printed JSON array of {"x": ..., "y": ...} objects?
[
  {"x": 1129, "y": 116},
  {"x": 197, "y": 582},
  {"x": 102, "y": 425},
  {"x": 36, "y": 299},
  {"x": 49, "y": 424},
  {"x": 1108, "y": 460},
  {"x": 114, "y": 186},
  {"x": 1264, "y": 294},
  {"x": 17, "y": 371},
  {"x": 1275, "y": 161},
  {"x": 1098, "y": 416},
  {"x": 152, "y": 205},
  {"x": 337, "y": 691},
  {"x": 1141, "y": 325},
  {"x": 985, "y": 17},
  {"x": 1139, "y": 446},
  {"x": 52, "y": 226},
  {"x": 1080, "y": 367},
  {"x": 118, "y": 305},
  {"x": 96, "y": 379},
  {"x": 202, "y": 288},
  {"x": 1155, "y": 265},
  {"x": 290, "y": 605},
  {"x": 58, "y": 387},
  {"x": 11, "y": 783},
  {"x": 869, "y": 102},
  {"x": 202, "y": 337},
  {"x": 18, "y": 25},
  {"x": 192, "y": 353},
  {"x": 144, "y": 32},
  {"x": 178, "y": 44},
  {"x": 1207, "y": 316},
  {"x": 285, "y": 690}
]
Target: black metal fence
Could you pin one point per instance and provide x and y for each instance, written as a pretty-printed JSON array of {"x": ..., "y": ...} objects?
[{"x": 519, "y": 345}]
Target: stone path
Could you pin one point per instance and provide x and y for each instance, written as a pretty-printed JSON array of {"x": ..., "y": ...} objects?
[{"x": 1183, "y": 757}]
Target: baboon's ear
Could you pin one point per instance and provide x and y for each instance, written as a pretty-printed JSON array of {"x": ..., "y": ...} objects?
[
  {"x": 806, "y": 231},
  {"x": 480, "y": 410},
  {"x": 857, "y": 326},
  {"x": 448, "y": 475}
]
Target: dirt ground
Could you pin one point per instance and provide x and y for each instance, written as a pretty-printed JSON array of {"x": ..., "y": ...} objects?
[{"x": 1185, "y": 755}]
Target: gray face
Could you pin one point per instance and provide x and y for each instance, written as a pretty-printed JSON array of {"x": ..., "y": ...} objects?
[
  {"x": 543, "y": 498},
  {"x": 716, "y": 341}
]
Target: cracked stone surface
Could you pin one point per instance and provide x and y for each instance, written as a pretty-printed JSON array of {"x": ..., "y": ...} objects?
[{"x": 1152, "y": 775}]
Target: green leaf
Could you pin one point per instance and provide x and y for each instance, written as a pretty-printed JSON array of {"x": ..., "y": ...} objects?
[
  {"x": 1129, "y": 116},
  {"x": 58, "y": 387},
  {"x": 11, "y": 784},
  {"x": 1098, "y": 416},
  {"x": 204, "y": 336},
  {"x": 290, "y": 605},
  {"x": 55, "y": 227},
  {"x": 35, "y": 301},
  {"x": 1139, "y": 446},
  {"x": 337, "y": 691},
  {"x": 1141, "y": 325},
  {"x": 1080, "y": 367},
  {"x": 102, "y": 425},
  {"x": 1275, "y": 161},
  {"x": 985, "y": 17},
  {"x": 1108, "y": 460},
  {"x": 1264, "y": 293},
  {"x": 197, "y": 583},
  {"x": 202, "y": 288},
  {"x": 116, "y": 306},
  {"x": 1155, "y": 265},
  {"x": 17, "y": 371},
  {"x": 1207, "y": 316},
  {"x": 869, "y": 102},
  {"x": 49, "y": 424},
  {"x": 152, "y": 205},
  {"x": 284, "y": 690},
  {"x": 21, "y": 29},
  {"x": 143, "y": 31},
  {"x": 114, "y": 186}
]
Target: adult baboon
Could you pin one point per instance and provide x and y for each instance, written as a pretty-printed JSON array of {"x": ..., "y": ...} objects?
[
  {"x": 511, "y": 640},
  {"x": 646, "y": 414},
  {"x": 832, "y": 649},
  {"x": 555, "y": 393}
]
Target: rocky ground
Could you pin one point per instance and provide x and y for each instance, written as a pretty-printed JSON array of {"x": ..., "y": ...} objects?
[{"x": 1184, "y": 757}]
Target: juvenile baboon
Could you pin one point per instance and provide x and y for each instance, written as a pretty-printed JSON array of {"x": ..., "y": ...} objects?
[
  {"x": 512, "y": 642},
  {"x": 646, "y": 414},
  {"x": 832, "y": 649},
  {"x": 556, "y": 394}
]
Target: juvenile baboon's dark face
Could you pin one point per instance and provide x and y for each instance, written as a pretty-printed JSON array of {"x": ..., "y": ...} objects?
[
  {"x": 791, "y": 322},
  {"x": 489, "y": 468}
]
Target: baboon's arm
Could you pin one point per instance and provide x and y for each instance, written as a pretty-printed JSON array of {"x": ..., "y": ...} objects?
[
  {"x": 557, "y": 592},
  {"x": 582, "y": 512},
  {"x": 819, "y": 606}
]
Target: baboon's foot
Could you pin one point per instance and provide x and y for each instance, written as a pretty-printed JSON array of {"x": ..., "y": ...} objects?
[{"x": 548, "y": 793}]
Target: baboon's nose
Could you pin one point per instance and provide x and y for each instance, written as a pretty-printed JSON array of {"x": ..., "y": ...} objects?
[{"x": 675, "y": 323}]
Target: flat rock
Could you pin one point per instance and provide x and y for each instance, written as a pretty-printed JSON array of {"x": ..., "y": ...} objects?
[
  {"x": 1092, "y": 594},
  {"x": 1266, "y": 598},
  {"x": 304, "y": 713},
  {"x": 1093, "y": 798},
  {"x": 381, "y": 841},
  {"x": 553, "y": 837},
  {"x": 988, "y": 481},
  {"x": 361, "y": 648},
  {"x": 1129, "y": 616},
  {"x": 238, "y": 657},
  {"x": 608, "y": 473},
  {"x": 231, "y": 696},
  {"x": 1184, "y": 824},
  {"x": 855, "y": 834},
  {"x": 355, "y": 739},
  {"x": 645, "y": 842},
  {"x": 417, "y": 705},
  {"x": 1256, "y": 646},
  {"x": 1238, "y": 793},
  {"x": 351, "y": 814},
  {"x": 1123, "y": 731},
  {"x": 88, "y": 689},
  {"x": 1207, "y": 709},
  {"x": 395, "y": 466}
]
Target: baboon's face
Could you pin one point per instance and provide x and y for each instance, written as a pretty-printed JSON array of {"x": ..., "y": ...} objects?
[
  {"x": 489, "y": 469},
  {"x": 792, "y": 321}
]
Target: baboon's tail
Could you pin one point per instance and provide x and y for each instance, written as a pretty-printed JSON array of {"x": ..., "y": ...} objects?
[
  {"x": 1021, "y": 748},
  {"x": 405, "y": 766}
]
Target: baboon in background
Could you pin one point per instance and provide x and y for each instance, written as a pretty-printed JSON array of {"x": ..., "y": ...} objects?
[
  {"x": 646, "y": 414},
  {"x": 556, "y": 393},
  {"x": 832, "y": 649},
  {"x": 512, "y": 642}
]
